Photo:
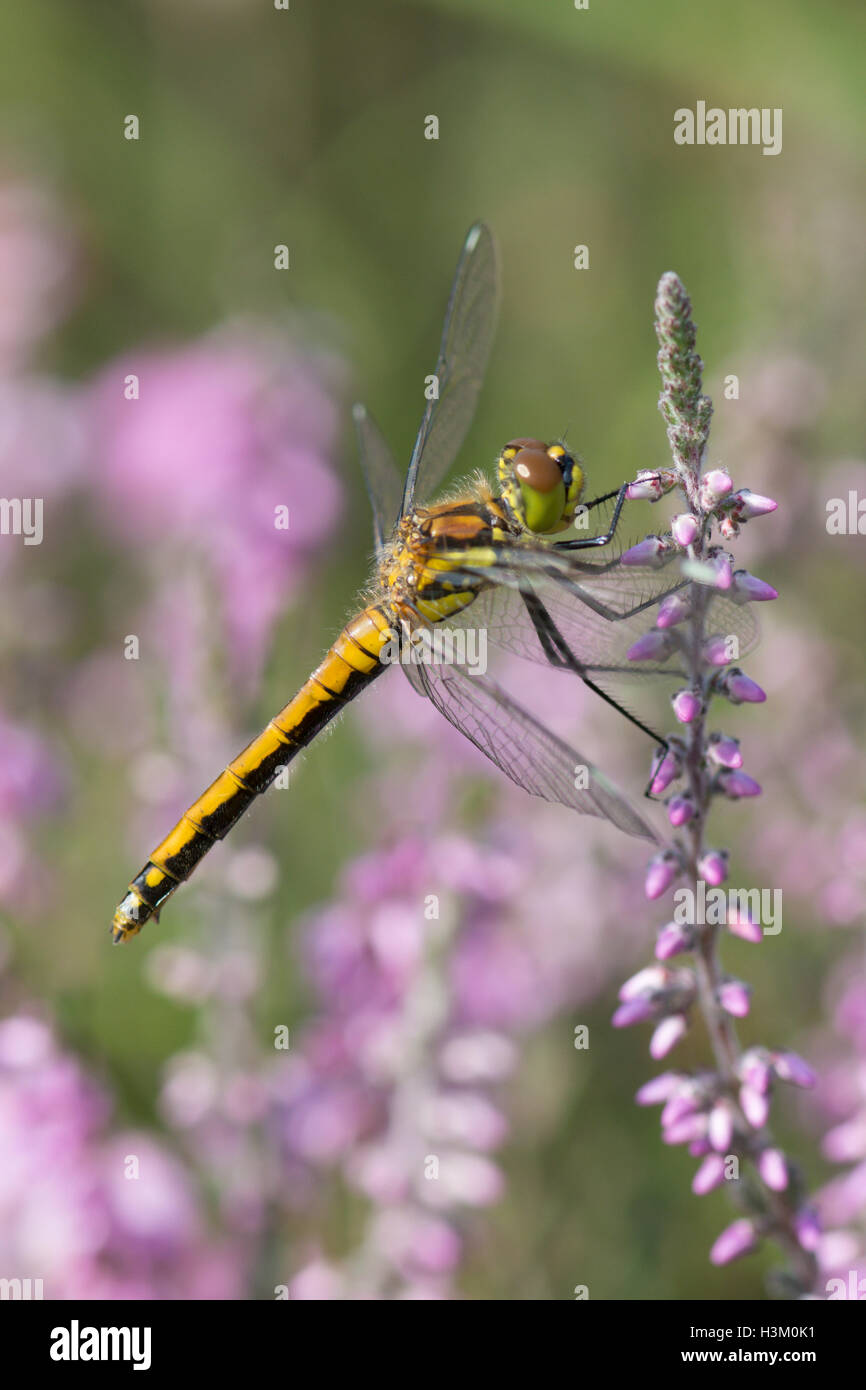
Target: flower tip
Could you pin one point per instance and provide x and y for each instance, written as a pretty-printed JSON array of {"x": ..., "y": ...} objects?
[
  {"x": 736, "y": 1240},
  {"x": 667, "y": 1035},
  {"x": 661, "y": 872},
  {"x": 713, "y": 867},
  {"x": 686, "y": 705}
]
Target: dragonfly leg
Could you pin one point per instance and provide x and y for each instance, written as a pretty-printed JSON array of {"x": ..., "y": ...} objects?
[
  {"x": 558, "y": 653},
  {"x": 588, "y": 542}
]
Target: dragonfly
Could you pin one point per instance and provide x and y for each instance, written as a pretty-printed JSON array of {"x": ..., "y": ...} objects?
[{"x": 484, "y": 558}]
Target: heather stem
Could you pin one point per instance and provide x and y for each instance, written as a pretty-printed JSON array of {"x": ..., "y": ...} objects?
[{"x": 687, "y": 413}]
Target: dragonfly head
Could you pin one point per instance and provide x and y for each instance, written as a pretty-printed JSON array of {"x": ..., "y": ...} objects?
[{"x": 541, "y": 484}]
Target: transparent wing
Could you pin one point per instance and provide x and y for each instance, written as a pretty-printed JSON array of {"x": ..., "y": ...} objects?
[
  {"x": 600, "y": 615},
  {"x": 524, "y": 749},
  {"x": 467, "y": 337},
  {"x": 381, "y": 475}
]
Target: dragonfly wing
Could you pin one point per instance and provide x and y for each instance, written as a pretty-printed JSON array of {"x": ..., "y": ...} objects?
[
  {"x": 593, "y": 614},
  {"x": 525, "y": 750},
  {"x": 381, "y": 475},
  {"x": 467, "y": 337}
]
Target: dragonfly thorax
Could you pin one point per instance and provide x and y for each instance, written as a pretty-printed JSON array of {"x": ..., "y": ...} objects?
[{"x": 541, "y": 485}]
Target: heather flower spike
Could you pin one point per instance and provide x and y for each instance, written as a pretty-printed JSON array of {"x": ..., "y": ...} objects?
[{"x": 722, "y": 1112}]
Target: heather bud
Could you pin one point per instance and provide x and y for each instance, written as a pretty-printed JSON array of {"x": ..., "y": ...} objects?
[
  {"x": 661, "y": 872},
  {"x": 681, "y": 809},
  {"x": 715, "y": 484},
  {"x": 676, "y": 608},
  {"x": 667, "y": 1035},
  {"x": 686, "y": 705},
  {"x": 685, "y": 529},
  {"x": 656, "y": 645},
  {"x": 736, "y": 1240},
  {"x": 649, "y": 486},
  {"x": 739, "y": 688},
  {"x": 713, "y": 866},
  {"x": 734, "y": 998},
  {"x": 654, "y": 552},
  {"x": 736, "y": 785},
  {"x": 747, "y": 588},
  {"x": 724, "y": 751},
  {"x": 745, "y": 504}
]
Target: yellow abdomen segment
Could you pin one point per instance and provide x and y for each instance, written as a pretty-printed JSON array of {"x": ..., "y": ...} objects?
[{"x": 347, "y": 668}]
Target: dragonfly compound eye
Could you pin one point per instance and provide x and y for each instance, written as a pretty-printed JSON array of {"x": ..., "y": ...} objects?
[
  {"x": 542, "y": 489},
  {"x": 572, "y": 476}
]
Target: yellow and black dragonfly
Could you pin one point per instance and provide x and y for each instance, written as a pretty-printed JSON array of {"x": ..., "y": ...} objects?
[{"x": 480, "y": 558}]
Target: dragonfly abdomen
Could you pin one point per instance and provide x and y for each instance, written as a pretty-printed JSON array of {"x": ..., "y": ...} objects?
[{"x": 348, "y": 667}]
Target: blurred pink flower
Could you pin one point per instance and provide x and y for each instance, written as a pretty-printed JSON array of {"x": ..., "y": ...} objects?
[
  {"x": 75, "y": 1212},
  {"x": 226, "y": 453}
]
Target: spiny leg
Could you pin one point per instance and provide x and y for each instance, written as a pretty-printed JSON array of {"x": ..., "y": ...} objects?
[
  {"x": 588, "y": 542},
  {"x": 560, "y": 654}
]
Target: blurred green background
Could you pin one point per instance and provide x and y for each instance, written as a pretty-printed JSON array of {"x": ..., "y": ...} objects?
[{"x": 306, "y": 127}]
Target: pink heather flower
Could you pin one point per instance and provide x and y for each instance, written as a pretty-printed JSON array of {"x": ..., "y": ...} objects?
[
  {"x": 715, "y": 484},
  {"x": 649, "y": 485},
  {"x": 653, "y": 552},
  {"x": 476, "y": 1056},
  {"x": 715, "y": 651},
  {"x": 462, "y": 1117},
  {"x": 724, "y": 751},
  {"x": 676, "y": 608},
  {"x": 686, "y": 705},
  {"x": 415, "y": 1242},
  {"x": 846, "y": 1143},
  {"x": 685, "y": 1130},
  {"x": 723, "y": 572},
  {"x": 633, "y": 1011},
  {"x": 773, "y": 1169},
  {"x": 745, "y": 504},
  {"x": 30, "y": 783},
  {"x": 740, "y": 688},
  {"x": 755, "y": 1105},
  {"x": 789, "y": 1067},
  {"x": 685, "y": 1100},
  {"x": 667, "y": 1035},
  {"x": 685, "y": 529},
  {"x": 710, "y": 1174},
  {"x": 808, "y": 1228},
  {"x": 681, "y": 809},
  {"x": 755, "y": 1069},
  {"x": 651, "y": 979},
  {"x": 660, "y": 1088},
  {"x": 736, "y": 1240},
  {"x": 661, "y": 872},
  {"x": 713, "y": 867},
  {"x": 666, "y": 768},
  {"x": 465, "y": 1179},
  {"x": 319, "y": 1282},
  {"x": 747, "y": 588},
  {"x": 238, "y": 431},
  {"x": 721, "y": 1126},
  {"x": 737, "y": 785},
  {"x": 673, "y": 940},
  {"x": 734, "y": 998},
  {"x": 99, "y": 1214},
  {"x": 740, "y": 924},
  {"x": 656, "y": 645}
]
